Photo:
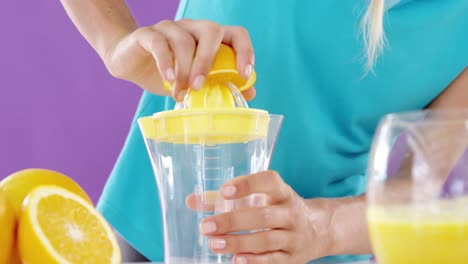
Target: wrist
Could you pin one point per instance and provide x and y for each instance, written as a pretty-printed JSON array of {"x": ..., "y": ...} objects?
[
  {"x": 108, "y": 47},
  {"x": 321, "y": 214},
  {"x": 342, "y": 225}
]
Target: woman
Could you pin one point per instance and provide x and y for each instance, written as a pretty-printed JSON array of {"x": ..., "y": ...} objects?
[{"x": 308, "y": 58}]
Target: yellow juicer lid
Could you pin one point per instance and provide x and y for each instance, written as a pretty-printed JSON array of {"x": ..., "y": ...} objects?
[{"x": 216, "y": 114}]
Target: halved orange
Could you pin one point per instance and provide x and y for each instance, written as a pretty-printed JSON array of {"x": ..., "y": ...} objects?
[
  {"x": 17, "y": 185},
  {"x": 58, "y": 226},
  {"x": 224, "y": 70}
]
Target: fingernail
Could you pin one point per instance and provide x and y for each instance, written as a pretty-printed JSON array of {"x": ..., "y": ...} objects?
[
  {"x": 198, "y": 82},
  {"x": 248, "y": 71},
  {"x": 241, "y": 260},
  {"x": 207, "y": 227},
  {"x": 229, "y": 190},
  {"x": 170, "y": 75},
  {"x": 218, "y": 243},
  {"x": 180, "y": 95}
]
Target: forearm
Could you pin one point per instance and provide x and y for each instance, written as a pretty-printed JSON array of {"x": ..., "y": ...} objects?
[
  {"x": 455, "y": 95},
  {"x": 101, "y": 22}
]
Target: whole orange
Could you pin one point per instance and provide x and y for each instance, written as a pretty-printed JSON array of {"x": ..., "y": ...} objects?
[{"x": 18, "y": 185}]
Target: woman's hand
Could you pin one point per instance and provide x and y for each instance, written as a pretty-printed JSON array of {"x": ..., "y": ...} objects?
[
  {"x": 292, "y": 232},
  {"x": 147, "y": 55}
]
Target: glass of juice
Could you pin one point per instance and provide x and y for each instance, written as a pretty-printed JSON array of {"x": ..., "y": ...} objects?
[{"x": 417, "y": 193}]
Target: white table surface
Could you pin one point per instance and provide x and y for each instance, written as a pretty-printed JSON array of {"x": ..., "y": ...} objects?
[{"x": 313, "y": 262}]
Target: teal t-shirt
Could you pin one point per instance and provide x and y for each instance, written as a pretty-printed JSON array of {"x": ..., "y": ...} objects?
[{"x": 310, "y": 69}]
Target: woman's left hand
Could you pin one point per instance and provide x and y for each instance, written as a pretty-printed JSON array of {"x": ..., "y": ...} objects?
[{"x": 293, "y": 232}]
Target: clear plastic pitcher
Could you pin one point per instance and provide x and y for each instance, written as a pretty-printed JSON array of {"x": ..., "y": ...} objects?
[
  {"x": 205, "y": 141},
  {"x": 418, "y": 188}
]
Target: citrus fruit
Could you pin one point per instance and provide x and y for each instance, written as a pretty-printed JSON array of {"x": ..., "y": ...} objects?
[
  {"x": 17, "y": 185},
  {"x": 224, "y": 70},
  {"x": 15, "y": 258},
  {"x": 58, "y": 226},
  {"x": 7, "y": 229}
]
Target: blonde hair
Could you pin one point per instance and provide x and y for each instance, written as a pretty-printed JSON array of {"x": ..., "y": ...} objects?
[{"x": 373, "y": 33}]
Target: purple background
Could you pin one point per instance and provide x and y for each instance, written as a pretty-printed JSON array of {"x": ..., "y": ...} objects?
[{"x": 59, "y": 108}]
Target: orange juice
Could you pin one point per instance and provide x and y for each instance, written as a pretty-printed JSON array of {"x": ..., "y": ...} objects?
[{"x": 436, "y": 233}]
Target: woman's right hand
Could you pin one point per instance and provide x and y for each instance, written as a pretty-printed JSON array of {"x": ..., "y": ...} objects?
[{"x": 146, "y": 56}]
